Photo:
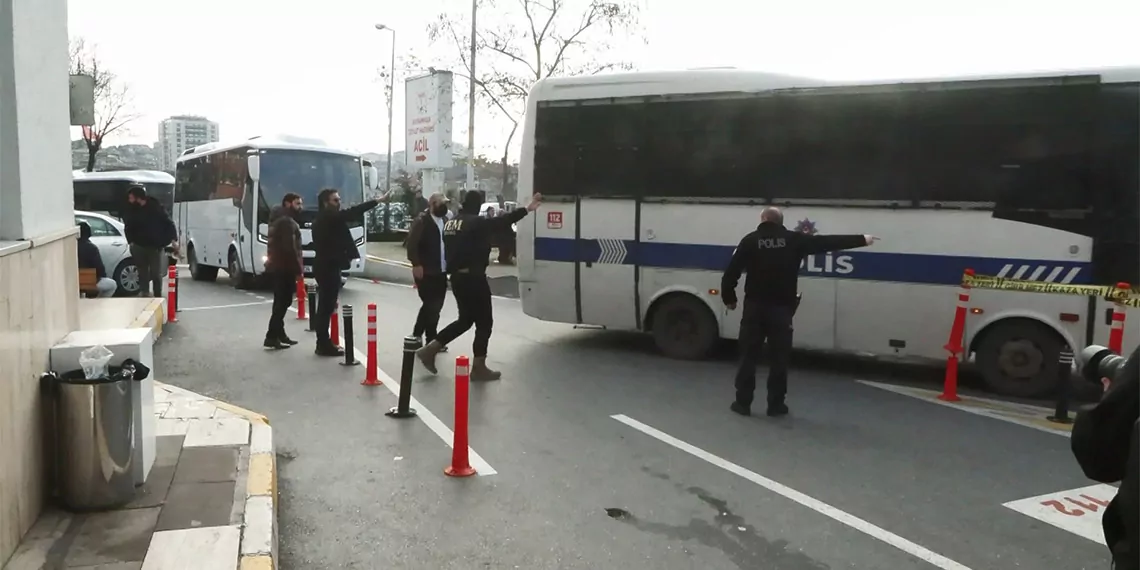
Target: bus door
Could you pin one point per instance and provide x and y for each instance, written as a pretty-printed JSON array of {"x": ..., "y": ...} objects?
[
  {"x": 247, "y": 227},
  {"x": 604, "y": 232}
]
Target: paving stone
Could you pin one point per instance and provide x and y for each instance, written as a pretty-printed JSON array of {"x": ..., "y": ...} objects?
[
  {"x": 167, "y": 449},
  {"x": 212, "y": 548},
  {"x": 117, "y": 566},
  {"x": 153, "y": 492},
  {"x": 210, "y": 432},
  {"x": 207, "y": 465},
  {"x": 193, "y": 505},
  {"x": 112, "y": 537}
]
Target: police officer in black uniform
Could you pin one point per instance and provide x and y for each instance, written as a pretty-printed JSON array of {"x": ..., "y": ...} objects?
[
  {"x": 467, "y": 244},
  {"x": 771, "y": 256}
]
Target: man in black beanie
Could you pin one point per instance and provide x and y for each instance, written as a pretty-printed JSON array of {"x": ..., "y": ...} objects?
[{"x": 467, "y": 244}]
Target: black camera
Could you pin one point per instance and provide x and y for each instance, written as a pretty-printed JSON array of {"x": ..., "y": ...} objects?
[{"x": 1098, "y": 362}]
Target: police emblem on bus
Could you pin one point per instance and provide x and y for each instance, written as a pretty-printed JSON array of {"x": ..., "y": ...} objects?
[{"x": 806, "y": 226}]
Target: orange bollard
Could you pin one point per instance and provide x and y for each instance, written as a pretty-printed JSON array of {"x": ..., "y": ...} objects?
[
  {"x": 370, "y": 377},
  {"x": 460, "y": 462},
  {"x": 334, "y": 326},
  {"x": 1116, "y": 334},
  {"x": 954, "y": 343},
  {"x": 301, "y": 295},
  {"x": 172, "y": 295}
]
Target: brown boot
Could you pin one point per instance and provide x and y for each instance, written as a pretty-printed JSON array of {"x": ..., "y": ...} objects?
[
  {"x": 427, "y": 355},
  {"x": 480, "y": 372}
]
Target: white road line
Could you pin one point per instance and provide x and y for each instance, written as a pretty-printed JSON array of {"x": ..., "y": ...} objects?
[
  {"x": 183, "y": 309},
  {"x": 816, "y": 505},
  {"x": 983, "y": 412},
  {"x": 482, "y": 468}
]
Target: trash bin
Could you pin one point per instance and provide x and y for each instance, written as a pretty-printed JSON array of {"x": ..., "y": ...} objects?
[{"x": 94, "y": 436}]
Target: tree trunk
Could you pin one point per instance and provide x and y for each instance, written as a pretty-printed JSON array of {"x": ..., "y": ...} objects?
[
  {"x": 507, "y": 167},
  {"x": 91, "y": 152}
]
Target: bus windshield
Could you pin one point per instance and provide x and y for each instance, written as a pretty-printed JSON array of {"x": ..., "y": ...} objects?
[{"x": 306, "y": 173}]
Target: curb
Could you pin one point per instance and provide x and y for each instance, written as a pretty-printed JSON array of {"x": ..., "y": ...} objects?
[
  {"x": 259, "y": 540},
  {"x": 152, "y": 317}
]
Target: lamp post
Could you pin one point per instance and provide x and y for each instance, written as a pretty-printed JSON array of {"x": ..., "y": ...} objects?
[
  {"x": 471, "y": 107},
  {"x": 391, "y": 104}
]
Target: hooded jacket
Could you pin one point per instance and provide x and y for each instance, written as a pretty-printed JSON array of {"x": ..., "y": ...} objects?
[
  {"x": 283, "y": 251},
  {"x": 149, "y": 225}
]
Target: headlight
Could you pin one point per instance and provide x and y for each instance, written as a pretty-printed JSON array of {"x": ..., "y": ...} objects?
[{"x": 264, "y": 258}]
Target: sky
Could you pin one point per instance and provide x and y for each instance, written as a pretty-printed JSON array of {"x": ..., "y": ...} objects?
[{"x": 310, "y": 68}]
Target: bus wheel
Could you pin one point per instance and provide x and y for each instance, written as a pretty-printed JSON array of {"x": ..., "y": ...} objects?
[
  {"x": 684, "y": 328},
  {"x": 197, "y": 272},
  {"x": 238, "y": 278},
  {"x": 1019, "y": 358}
]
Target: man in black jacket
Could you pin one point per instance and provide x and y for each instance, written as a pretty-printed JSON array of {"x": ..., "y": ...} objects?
[
  {"x": 334, "y": 251},
  {"x": 1106, "y": 444},
  {"x": 467, "y": 241},
  {"x": 429, "y": 265},
  {"x": 89, "y": 258},
  {"x": 771, "y": 256},
  {"x": 284, "y": 264},
  {"x": 149, "y": 231}
]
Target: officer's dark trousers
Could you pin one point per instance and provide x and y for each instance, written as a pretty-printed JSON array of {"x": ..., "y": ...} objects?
[
  {"x": 762, "y": 322},
  {"x": 328, "y": 290},
  {"x": 284, "y": 289},
  {"x": 473, "y": 299},
  {"x": 433, "y": 291}
]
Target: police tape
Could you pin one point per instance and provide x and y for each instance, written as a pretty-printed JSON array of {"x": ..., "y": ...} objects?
[{"x": 1129, "y": 298}]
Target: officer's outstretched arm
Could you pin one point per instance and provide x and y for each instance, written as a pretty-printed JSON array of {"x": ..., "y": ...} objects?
[
  {"x": 736, "y": 266},
  {"x": 811, "y": 245},
  {"x": 500, "y": 223}
]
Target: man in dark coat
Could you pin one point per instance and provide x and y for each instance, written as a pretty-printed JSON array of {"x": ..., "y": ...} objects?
[{"x": 284, "y": 265}]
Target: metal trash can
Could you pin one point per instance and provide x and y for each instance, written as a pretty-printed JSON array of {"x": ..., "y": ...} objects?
[{"x": 94, "y": 437}]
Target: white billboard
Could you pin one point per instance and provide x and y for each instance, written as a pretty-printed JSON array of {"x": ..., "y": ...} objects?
[{"x": 428, "y": 121}]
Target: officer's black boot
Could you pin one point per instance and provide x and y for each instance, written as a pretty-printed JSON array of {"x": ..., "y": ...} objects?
[
  {"x": 480, "y": 372},
  {"x": 741, "y": 409},
  {"x": 777, "y": 409},
  {"x": 284, "y": 338},
  {"x": 427, "y": 355},
  {"x": 273, "y": 340}
]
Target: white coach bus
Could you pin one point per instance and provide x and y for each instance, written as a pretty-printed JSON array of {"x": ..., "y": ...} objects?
[
  {"x": 224, "y": 194},
  {"x": 106, "y": 191},
  {"x": 651, "y": 179}
]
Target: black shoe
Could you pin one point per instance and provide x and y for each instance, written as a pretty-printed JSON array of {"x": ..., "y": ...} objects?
[
  {"x": 274, "y": 343},
  {"x": 330, "y": 351},
  {"x": 284, "y": 338},
  {"x": 740, "y": 409},
  {"x": 442, "y": 349},
  {"x": 777, "y": 410}
]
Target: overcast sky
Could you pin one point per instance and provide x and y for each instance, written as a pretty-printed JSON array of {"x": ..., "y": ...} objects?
[{"x": 309, "y": 68}]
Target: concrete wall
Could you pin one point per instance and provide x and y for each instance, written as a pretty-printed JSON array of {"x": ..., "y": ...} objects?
[{"x": 38, "y": 277}]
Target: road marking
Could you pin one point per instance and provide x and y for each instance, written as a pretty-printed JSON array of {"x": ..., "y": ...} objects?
[
  {"x": 482, "y": 468},
  {"x": 406, "y": 286},
  {"x": 1032, "y": 417},
  {"x": 390, "y": 261},
  {"x": 211, "y": 307},
  {"x": 1078, "y": 511},
  {"x": 916, "y": 550}
]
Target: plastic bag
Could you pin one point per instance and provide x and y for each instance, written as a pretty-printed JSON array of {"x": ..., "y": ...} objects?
[{"x": 94, "y": 361}]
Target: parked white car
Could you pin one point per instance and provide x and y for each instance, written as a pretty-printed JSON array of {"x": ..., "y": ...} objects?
[{"x": 109, "y": 236}]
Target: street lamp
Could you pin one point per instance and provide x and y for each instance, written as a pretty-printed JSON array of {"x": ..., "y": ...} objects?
[
  {"x": 391, "y": 103},
  {"x": 471, "y": 105}
]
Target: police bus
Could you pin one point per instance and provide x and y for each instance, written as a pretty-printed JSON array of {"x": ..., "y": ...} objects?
[
  {"x": 224, "y": 193},
  {"x": 106, "y": 192},
  {"x": 651, "y": 179}
]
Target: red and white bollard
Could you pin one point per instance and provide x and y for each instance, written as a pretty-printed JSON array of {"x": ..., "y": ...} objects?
[
  {"x": 301, "y": 296},
  {"x": 954, "y": 343},
  {"x": 370, "y": 376},
  {"x": 1116, "y": 334},
  {"x": 334, "y": 326},
  {"x": 172, "y": 295},
  {"x": 460, "y": 462}
]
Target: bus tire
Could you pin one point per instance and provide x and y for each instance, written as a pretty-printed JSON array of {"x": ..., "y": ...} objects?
[
  {"x": 238, "y": 278},
  {"x": 1018, "y": 358},
  {"x": 683, "y": 327},
  {"x": 197, "y": 271}
]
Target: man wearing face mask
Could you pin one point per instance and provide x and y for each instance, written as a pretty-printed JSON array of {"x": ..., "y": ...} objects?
[
  {"x": 284, "y": 265},
  {"x": 429, "y": 265}
]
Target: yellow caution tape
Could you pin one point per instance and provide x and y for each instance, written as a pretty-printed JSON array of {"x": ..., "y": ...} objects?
[{"x": 1125, "y": 297}]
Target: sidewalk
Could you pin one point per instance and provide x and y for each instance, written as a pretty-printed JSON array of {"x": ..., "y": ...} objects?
[{"x": 209, "y": 502}]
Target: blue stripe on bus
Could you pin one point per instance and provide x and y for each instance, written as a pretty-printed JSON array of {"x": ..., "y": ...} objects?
[{"x": 854, "y": 264}]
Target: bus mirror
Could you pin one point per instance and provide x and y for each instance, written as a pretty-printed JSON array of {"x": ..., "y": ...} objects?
[
  {"x": 253, "y": 164},
  {"x": 374, "y": 178}
]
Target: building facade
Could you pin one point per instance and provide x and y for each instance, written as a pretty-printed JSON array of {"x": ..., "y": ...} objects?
[
  {"x": 39, "y": 283},
  {"x": 180, "y": 132}
]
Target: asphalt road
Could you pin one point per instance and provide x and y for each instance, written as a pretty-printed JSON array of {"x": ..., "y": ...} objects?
[{"x": 856, "y": 478}]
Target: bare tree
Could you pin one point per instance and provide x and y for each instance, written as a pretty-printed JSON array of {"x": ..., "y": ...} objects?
[
  {"x": 113, "y": 103},
  {"x": 523, "y": 41}
]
